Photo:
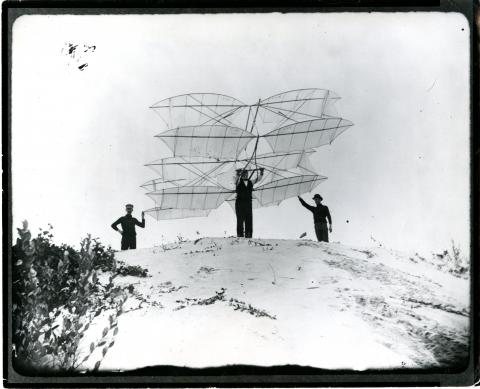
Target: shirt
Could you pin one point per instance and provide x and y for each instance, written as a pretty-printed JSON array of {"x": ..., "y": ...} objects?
[
  {"x": 128, "y": 223},
  {"x": 244, "y": 191},
  {"x": 320, "y": 212}
]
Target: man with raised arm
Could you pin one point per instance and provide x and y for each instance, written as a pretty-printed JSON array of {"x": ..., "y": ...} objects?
[
  {"x": 243, "y": 202},
  {"x": 320, "y": 216},
  {"x": 128, "y": 222}
]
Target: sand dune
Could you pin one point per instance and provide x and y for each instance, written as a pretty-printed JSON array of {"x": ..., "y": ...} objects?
[{"x": 219, "y": 301}]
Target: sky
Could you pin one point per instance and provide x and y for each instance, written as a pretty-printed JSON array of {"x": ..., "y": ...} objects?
[{"x": 400, "y": 175}]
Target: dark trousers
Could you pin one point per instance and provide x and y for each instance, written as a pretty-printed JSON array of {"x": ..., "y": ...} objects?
[
  {"x": 129, "y": 242},
  {"x": 321, "y": 231},
  {"x": 243, "y": 210}
]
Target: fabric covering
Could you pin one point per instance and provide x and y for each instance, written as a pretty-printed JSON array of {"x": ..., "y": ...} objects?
[{"x": 211, "y": 136}]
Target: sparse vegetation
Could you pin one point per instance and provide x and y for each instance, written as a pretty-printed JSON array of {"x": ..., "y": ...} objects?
[
  {"x": 130, "y": 270},
  {"x": 375, "y": 241},
  {"x": 453, "y": 261},
  {"x": 181, "y": 239},
  {"x": 368, "y": 253},
  {"x": 308, "y": 243},
  {"x": 243, "y": 307},
  {"x": 219, "y": 296},
  {"x": 255, "y": 243},
  {"x": 206, "y": 269}
]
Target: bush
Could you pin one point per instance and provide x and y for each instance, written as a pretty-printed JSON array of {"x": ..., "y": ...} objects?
[
  {"x": 456, "y": 263},
  {"x": 56, "y": 295},
  {"x": 131, "y": 270},
  {"x": 104, "y": 258}
]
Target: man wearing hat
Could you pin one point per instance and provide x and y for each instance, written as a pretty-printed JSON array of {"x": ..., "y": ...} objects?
[
  {"x": 128, "y": 222},
  {"x": 320, "y": 216},
  {"x": 243, "y": 202}
]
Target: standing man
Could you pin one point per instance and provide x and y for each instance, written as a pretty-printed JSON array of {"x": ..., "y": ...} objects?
[
  {"x": 128, "y": 222},
  {"x": 320, "y": 214},
  {"x": 243, "y": 202}
]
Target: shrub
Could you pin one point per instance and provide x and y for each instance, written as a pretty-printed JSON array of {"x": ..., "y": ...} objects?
[
  {"x": 455, "y": 262},
  {"x": 56, "y": 295},
  {"x": 131, "y": 270},
  {"x": 104, "y": 256}
]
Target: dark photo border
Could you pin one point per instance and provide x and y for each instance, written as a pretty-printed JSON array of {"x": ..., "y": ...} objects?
[{"x": 240, "y": 375}]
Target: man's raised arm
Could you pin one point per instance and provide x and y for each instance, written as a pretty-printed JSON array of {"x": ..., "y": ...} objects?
[
  {"x": 259, "y": 176},
  {"x": 142, "y": 224},
  {"x": 309, "y": 207},
  {"x": 238, "y": 176}
]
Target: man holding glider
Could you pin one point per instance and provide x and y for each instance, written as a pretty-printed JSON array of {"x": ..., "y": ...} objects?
[
  {"x": 243, "y": 202},
  {"x": 320, "y": 216},
  {"x": 128, "y": 222}
]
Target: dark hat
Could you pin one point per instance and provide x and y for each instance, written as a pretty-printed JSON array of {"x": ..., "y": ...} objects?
[
  {"x": 317, "y": 196},
  {"x": 129, "y": 206}
]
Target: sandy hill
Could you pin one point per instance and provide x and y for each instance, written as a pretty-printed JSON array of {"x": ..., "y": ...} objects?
[{"x": 219, "y": 301}]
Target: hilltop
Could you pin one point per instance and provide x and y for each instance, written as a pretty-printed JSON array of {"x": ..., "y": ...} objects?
[{"x": 230, "y": 301}]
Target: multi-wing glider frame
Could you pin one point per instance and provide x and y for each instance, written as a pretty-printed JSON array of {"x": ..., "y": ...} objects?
[{"x": 211, "y": 136}]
